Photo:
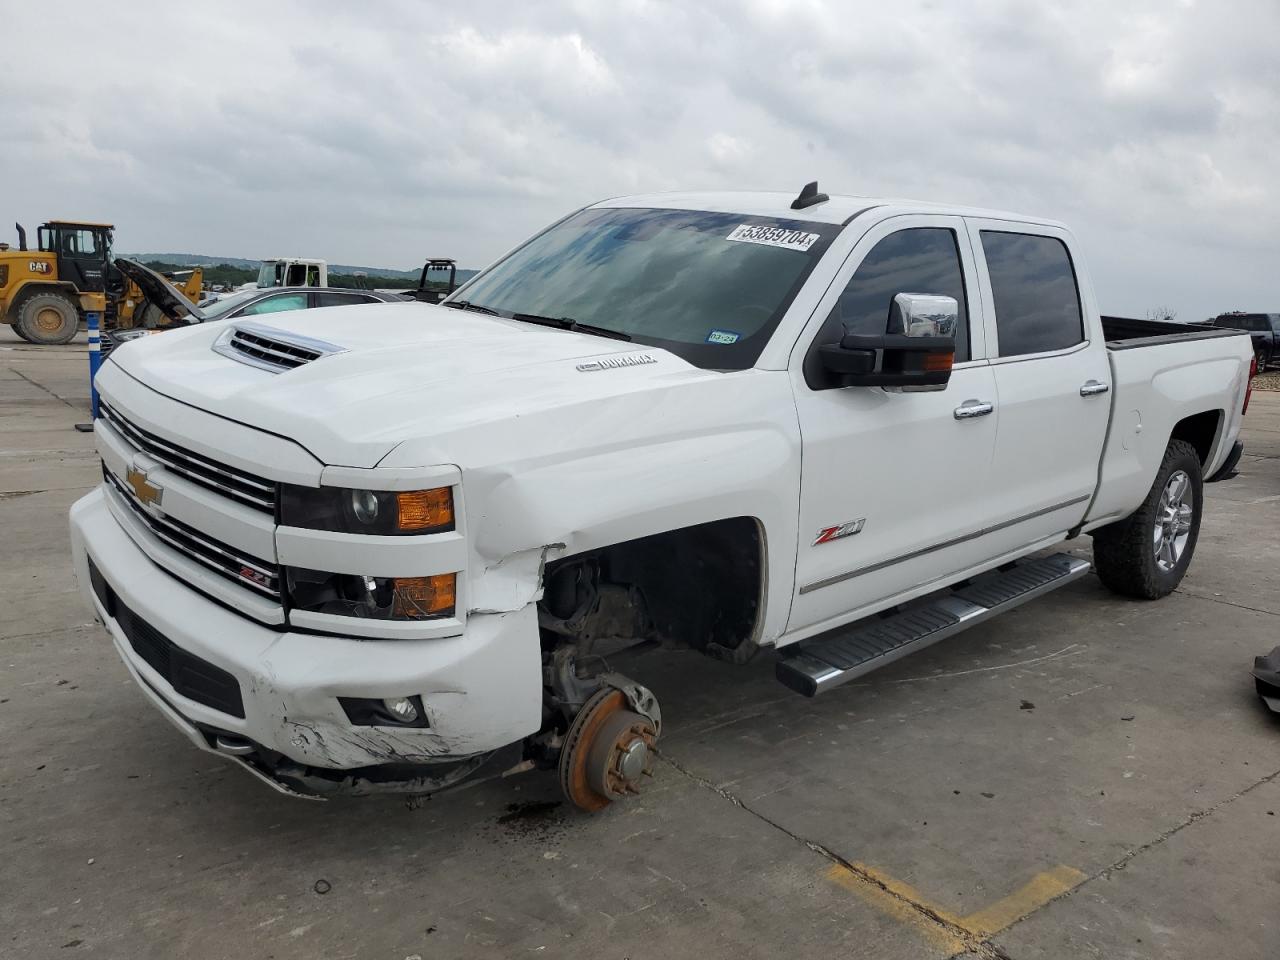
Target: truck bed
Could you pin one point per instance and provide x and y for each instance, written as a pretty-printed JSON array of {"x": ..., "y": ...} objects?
[{"x": 1125, "y": 333}]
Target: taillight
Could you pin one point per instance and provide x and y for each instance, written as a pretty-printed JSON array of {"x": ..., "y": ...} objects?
[{"x": 1248, "y": 390}]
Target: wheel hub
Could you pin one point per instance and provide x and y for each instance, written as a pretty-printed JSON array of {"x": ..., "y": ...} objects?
[
  {"x": 607, "y": 751},
  {"x": 49, "y": 320},
  {"x": 634, "y": 759},
  {"x": 1173, "y": 521}
]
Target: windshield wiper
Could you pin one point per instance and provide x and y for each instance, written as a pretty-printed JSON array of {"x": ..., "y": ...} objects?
[
  {"x": 468, "y": 305},
  {"x": 568, "y": 323}
]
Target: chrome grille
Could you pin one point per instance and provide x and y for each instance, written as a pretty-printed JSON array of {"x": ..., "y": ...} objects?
[
  {"x": 240, "y": 485},
  {"x": 261, "y": 576},
  {"x": 271, "y": 349}
]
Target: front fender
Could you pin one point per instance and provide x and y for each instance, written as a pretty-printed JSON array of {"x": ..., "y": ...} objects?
[{"x": 565, "y": 481}]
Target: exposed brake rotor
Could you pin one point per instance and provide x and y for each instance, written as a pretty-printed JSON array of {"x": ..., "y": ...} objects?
[{"x": 606, "y": 751}]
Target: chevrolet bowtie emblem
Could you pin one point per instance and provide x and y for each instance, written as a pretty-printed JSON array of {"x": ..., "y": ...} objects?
[{"x": 146, "y": 491}]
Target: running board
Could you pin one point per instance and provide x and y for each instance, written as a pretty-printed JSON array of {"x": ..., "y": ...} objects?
[{"x": 849, "y": 652}]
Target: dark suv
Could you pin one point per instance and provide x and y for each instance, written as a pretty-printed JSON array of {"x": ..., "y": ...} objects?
[{"x": 1264, "y": 330}]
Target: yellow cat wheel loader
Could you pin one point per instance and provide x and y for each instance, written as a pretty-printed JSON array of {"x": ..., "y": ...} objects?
[{"x": 45, "y": 292}]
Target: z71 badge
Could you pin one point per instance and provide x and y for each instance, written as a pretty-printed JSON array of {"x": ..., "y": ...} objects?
[{"x": 827, "y": 534}]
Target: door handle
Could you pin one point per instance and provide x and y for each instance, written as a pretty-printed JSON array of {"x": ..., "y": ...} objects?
[
  {"x": 1093, "y": 387},
  {"x": 973, "y": 408}
]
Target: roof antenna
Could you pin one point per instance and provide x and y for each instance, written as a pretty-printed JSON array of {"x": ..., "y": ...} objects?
[{"x": 809, "y": 197}]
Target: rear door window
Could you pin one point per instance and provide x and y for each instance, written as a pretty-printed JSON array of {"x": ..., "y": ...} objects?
[
  {"x": 1033, "y": 284},
  {"x": 287, "y": 301},
  {"x": 342, "y": 299}
]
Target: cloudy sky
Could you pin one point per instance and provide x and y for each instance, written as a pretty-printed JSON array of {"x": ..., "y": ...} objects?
[{"x": 381, "y": 134}]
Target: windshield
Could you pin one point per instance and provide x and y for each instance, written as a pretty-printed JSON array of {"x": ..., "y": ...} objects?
[
  {"x": 224, "y": 305},
  {"x": 709, "y": 287},
  {"x": 271, "y": 274}
]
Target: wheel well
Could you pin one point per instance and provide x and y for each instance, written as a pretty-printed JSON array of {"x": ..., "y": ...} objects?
[
  {"x": 31, "y": 289},
  {"x": 1199, "y": 430},
  {"x": 699, "y": 586}
]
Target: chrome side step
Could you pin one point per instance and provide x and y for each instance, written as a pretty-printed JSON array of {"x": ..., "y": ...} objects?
[{"x": 848, "y": 652}]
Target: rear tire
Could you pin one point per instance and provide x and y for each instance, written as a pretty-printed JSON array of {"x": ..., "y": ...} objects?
[
  {"x": 1147, "y": 554},
  {"x": 48, "y": 319}
]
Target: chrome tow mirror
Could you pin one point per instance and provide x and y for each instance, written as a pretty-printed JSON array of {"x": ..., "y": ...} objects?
[
  {"x": 914, "y": 354},
  {"x": 923, "y": 315}
]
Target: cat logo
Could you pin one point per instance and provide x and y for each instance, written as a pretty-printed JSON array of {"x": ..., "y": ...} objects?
[{"x": 39, "y": 266}]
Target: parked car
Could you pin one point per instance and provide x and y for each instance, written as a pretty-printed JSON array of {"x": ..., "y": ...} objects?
[
  {"x": 1264, "y": 330},
  {"x": 245, "y": 303},
  {"x": 381, "y": 548}
]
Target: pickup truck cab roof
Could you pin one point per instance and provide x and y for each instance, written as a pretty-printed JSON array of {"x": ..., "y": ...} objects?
[{"x": 837, "y": 209}]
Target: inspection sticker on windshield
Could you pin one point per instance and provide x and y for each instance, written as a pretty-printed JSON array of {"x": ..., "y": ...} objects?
[
  {"x": 723, "y": 336},
  {"x": 773, "y": 236}
]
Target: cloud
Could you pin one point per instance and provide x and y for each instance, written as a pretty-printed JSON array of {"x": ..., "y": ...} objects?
[{"x": 384, "y": 135}]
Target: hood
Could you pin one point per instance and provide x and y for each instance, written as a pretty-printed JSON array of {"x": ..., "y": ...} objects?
[
  {"x": 161, "y": 292},
  {"x": 394, "y": 372}
]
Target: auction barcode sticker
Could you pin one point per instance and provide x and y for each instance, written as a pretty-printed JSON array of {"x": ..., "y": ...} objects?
[{"x": 773, "y": 236}]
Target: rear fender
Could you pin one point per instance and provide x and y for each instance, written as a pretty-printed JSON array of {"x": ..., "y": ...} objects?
[
  {"x": 1156, "y": 388},
  {"x": 17, "y": 293}
]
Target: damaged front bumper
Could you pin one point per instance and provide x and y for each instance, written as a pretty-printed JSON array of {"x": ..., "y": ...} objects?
[
  {"x": 1266, "y": 677},
  {"x": 268, "y": 699}
]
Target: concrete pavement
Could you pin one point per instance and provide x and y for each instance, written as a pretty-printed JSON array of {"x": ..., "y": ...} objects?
[{"x": 1085, "y": 777}]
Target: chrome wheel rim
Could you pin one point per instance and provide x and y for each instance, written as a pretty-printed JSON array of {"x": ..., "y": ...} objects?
[{"x": 1173, "y": 521}]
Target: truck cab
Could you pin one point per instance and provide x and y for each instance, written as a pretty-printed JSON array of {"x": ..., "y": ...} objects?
[
  {"x": 293, "y": 272},
  {"x": 1264, "y": 331},
  {"x": 438, "y": 279},
  {"x": 82, "y": 252}
]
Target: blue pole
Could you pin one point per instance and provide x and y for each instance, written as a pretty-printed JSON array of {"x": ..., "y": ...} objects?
[{"x": 94, "y": 319}]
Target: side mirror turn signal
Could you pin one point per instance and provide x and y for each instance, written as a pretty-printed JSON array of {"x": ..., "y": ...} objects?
[
  {"x": 891, "y": 360},
  {"x": 916, "y": 353}
]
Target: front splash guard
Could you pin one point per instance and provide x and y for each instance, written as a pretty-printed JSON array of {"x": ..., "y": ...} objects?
[{"x": 407, "y": 779}]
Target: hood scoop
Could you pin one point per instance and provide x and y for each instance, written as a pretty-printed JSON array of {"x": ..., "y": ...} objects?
[{"x": 271, "y": 349}]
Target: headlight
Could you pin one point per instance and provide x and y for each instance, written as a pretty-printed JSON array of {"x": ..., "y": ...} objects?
[
  {"x": 378, "y": 598},
  {"x": 124, "y": 336},
  {"x": 384, "y": 512}
]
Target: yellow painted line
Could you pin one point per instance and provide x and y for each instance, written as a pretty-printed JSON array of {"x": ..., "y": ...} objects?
[
  {"x": 907, "y": 892},
  {"x": 891, "y": 906},
  {"x": 1042, "y": 888},
  {"x": 949, "y": 931}
]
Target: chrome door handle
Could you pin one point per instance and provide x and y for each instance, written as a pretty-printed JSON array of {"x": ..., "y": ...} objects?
[
  {"x": 1093, "y": 387},
  {"x": 973, "y": 408}
]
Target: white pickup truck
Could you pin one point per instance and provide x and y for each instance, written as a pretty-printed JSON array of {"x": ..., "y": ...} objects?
[{"x": 388, "y": 553}]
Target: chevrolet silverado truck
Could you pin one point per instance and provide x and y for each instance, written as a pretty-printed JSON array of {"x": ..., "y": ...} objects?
[{"x": 392, "y": 553}]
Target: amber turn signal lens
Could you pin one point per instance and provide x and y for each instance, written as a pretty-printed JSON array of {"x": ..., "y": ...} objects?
[
  {"x": 936, "y": 362},
  {"x": 416, "y": 598},
  {"x": 425, "y": 509}
]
